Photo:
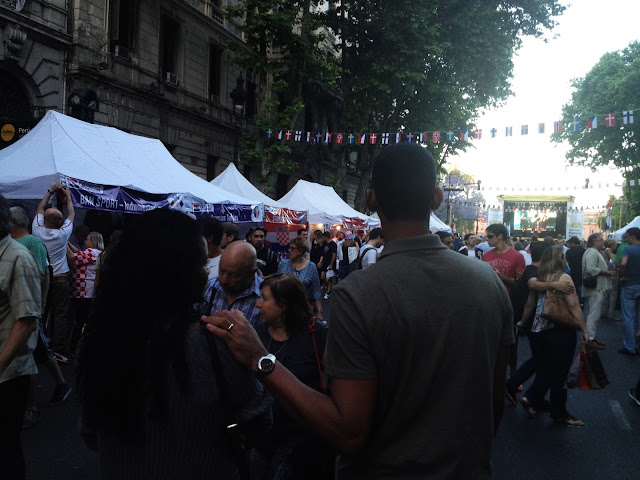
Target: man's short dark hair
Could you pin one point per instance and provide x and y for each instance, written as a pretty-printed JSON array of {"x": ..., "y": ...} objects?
[
  {"x": 211, "y": 227},
  {"x": 498, "y": 229},
  {"x": 326, "y": 235},
  {"x": 376, "y": 233},
  {"x": 404, "y": 179},
  {"x": 5, "y": 217},
  {"x": 466, "y": 237},
  {"x": 537, "y": 249},
  {"x": 255, "y": 229},
  {"x": 518, "y": 246},
  {"x": 443, "y": 235},
  {"x": 633, "y": 232},
  {"x": 300, "y": 230},
  {"x": 574, "y": 241},
  {"x": 317, "y": 232},
  {"x": 231, "y": 229}
]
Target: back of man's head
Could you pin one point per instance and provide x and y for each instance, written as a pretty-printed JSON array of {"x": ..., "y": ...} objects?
[
  {"x": 633, "y": 232},
  {"x": 326, "y": 235},
  {"x": 231, "y": 229},
  {"x": 404, "y": 180},
  {"x": 53, "y": 218},
  {"x": 537, "y": 249},
  {"x": 19, "y": 217},
  {"x": 574, "y": 241},
  {"x": 5, "y": 218},
  {"x": 375, "y": 234},
  {"x": 212, "y": 229}
]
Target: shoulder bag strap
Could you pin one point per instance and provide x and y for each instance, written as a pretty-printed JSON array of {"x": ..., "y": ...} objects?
[{"x": 312, "y": 329}]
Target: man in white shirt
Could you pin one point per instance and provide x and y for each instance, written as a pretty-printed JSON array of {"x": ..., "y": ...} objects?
[
  {"x": 469, "y": 247},
  {"x": 370, "y": 250},
  {"x": 50, "y": 226},
  {"x": 212, "y": 231}
]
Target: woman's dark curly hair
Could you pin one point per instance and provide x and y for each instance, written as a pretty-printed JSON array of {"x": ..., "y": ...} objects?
[
  {"x": 289, "y": 290},
  {"x": 142, "y": 309}
]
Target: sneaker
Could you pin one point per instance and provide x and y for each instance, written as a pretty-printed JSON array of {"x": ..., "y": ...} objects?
[
  {"x": 632, "y": 394},
  {"x": 31, "y": 418},
  {"x": 326, "y": 296},
  {"x": 61, "y": 358},
  {"x": 60, "y": 394}
]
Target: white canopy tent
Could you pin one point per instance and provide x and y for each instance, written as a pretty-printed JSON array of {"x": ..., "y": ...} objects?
[
  {"x": 61, "y": 146},
  {"x": 231, "y": 180},
  {"x": 617, "y": 235},
  {"x": 323, "y": 204},
  {"x": 435, "y": 224}
]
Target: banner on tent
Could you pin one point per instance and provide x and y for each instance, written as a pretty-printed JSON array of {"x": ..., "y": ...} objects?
[
  {"x": 495, "y": 215},
  {"x": 284, "y": 215},
  {"x": 231, "y": 213},
  {"x": 116, "y": 199},
  {"x": 354, "y": 223},
  {"x": 575, "y": 224}
]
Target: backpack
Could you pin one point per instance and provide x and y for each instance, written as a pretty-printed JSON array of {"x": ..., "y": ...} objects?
[{"x": 357, "y": 264}]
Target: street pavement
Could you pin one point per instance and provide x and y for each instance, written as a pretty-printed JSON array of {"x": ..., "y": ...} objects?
[{"x": 605, "y": 448}]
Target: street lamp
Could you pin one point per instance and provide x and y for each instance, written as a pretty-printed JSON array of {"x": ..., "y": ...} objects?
[
  {"x": 83, "y": 104},
  {"x": 238, "y": 97}
]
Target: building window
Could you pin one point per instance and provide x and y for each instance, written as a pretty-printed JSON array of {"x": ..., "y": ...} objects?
[
  {"x": 215, "y": 72},
  {"x": 122, "y": 26},
  {"x": 212, "y": 164},
  {"x": 170, "y": 46}
]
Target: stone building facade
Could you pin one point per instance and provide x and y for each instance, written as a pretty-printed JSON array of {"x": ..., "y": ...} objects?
[{"x": 157, "y": 68}]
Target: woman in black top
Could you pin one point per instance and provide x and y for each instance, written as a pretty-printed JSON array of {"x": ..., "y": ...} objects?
[{"x": 298, "y": 342}]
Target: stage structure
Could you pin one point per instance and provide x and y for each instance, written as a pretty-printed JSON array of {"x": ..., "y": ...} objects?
[{"x": 526, "y": 215}]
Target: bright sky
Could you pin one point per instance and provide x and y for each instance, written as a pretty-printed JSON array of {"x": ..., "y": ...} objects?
[{"x": 542, "y": 85}]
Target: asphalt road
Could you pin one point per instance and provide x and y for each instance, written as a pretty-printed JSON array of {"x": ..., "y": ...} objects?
[{"x": 605, "y": 448}]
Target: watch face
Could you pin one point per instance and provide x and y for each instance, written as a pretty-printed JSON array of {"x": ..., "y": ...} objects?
[{"x": 266, "y": 365}]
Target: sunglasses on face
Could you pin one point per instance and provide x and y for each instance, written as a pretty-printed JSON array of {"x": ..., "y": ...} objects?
[{"x": 489, "y": 236}]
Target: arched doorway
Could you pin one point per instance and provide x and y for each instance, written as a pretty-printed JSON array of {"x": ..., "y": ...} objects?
[{"x": 16, "y": 109}]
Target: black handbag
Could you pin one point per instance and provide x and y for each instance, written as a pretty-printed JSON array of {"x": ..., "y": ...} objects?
[{"x": 590, "y": 282}]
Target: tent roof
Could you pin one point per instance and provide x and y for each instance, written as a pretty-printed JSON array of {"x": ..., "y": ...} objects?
[
  {"x": 323, "y": 204},
  {"x": 634, "y": 223},
  {"x": 231, "y": 180},
  {"x": 62, "y": 145}
]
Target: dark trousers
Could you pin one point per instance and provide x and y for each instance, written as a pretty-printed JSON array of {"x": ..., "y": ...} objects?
[
  {"x": 14, "y": 396},
  {"x": 553, "y": 352},
  {"x": 522, "y": 374},
  {"x": 59, "y": 300}
]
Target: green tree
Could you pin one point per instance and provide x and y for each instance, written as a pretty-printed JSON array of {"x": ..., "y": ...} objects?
[
  {"x": 428, "y": 64},
  {"x": 611, "y": 86}
]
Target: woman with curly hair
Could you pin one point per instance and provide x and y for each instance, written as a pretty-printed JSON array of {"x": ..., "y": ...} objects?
[{"x": 156, "y": 389}]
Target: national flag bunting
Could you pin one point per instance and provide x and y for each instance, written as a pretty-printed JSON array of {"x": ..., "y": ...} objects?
[
  {"x": 287, "y": 135},
  {"x": 318, "y": 137},
  {"x": 557, "y": 126},
  {"x": 328, "y": 137},
  {"x": 610, "y": 120},
  {"x": 477, "y": 134},
  {"x": 298, "y": 135},
  {"x": 339, "y": 137},
  {"x": 351, "y": 138},
  {"x": 279, "y": 135},
  {"x": 450, "y": 136},
  {"x": 494, "y": 132},
  {"x": 410, "y": 137},
  {"x": 269, "y": 133},
  {"x": 627, "y": 117},
  {"x": 309, "y": 137},
  {"x": 373, "y": 138},
  {"x": 362, "y": 138},
  {"x": 592, "y": 122},
  {"x": 384, "y": 139},
  {"x": 508, "y": 131},
  {"x": 398, "y": 137},
  {"x": 464, "y": 135},
  {"x": 541, "y": 128},
  {"x": 436, "y": 137},
  {"x": 524, "y": 130},
  {"x": 423, "y": 137}
]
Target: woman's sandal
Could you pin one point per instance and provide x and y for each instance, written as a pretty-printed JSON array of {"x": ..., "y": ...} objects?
[
  {"x": 569, "y": 420},
  {"x": 531, "y": 412}
]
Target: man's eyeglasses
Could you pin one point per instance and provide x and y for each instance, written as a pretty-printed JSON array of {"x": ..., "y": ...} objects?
[{"x": 489, "y": 236}]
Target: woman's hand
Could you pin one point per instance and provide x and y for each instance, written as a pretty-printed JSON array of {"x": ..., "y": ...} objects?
[{"x": 239, "y": 335}]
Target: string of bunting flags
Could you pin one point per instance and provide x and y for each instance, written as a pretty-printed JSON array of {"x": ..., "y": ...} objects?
[
  {"x": 538, "y": 206},
  {"x": 444, "y": 135}
]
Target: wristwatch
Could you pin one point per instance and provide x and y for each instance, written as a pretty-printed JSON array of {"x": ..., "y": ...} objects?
[{"x": 266, "y": 365}]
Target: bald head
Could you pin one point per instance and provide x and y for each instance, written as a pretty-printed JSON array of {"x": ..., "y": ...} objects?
[
  {"x": 237, "y": 267},
  {"x": 53, "y": 218}
]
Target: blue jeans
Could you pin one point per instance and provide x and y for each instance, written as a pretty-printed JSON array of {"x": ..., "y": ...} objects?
[{"x": 630, "y": 303}]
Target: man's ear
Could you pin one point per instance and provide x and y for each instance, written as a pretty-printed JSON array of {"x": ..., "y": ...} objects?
[
  {"x": 438, "y": 196},
  {"x": 372, "y": 203}
]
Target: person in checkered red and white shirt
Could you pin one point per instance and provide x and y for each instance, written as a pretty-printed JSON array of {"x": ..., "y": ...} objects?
[{"x": 83, "y": 279}]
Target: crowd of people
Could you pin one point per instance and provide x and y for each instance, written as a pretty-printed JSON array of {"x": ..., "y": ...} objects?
[{"x": 202, "y": 354}]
